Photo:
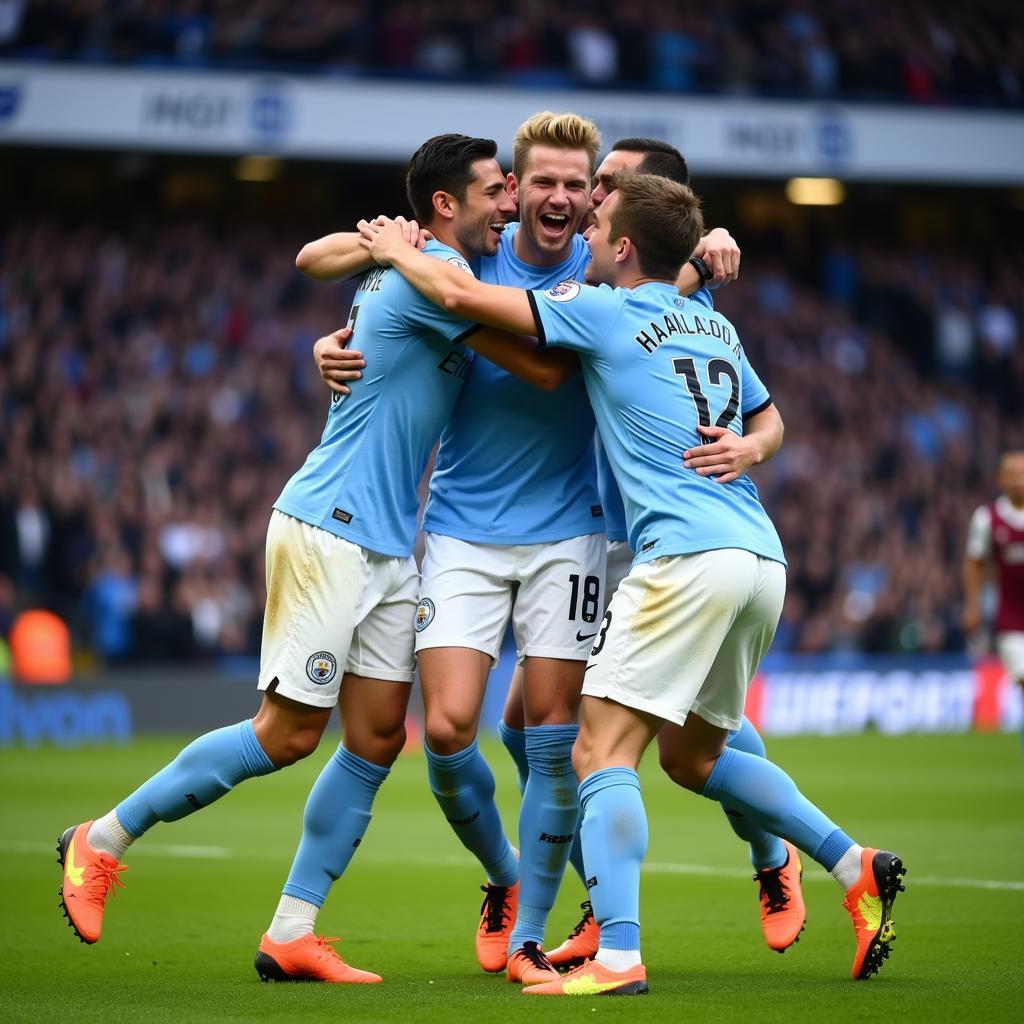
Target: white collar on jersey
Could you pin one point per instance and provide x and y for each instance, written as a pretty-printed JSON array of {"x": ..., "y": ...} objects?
[{"x": 1009, "y": 513}]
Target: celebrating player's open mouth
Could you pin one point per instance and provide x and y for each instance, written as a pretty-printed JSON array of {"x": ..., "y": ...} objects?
[{"x": 555, "y": 225}]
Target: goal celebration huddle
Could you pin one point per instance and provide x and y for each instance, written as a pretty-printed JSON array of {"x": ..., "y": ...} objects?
[{"x": 552, "y": 330}]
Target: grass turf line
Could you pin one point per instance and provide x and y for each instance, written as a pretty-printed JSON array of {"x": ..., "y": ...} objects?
[{"x": 178, "y": 944}]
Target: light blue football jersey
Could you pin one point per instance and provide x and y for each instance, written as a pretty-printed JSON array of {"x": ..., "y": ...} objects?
[
  {"x": 516, "y": 464},
  {"x": 360, "y": 481},
  {"x": 611, "y": 499},
  {"x": 607, "y": 488},
  {"x": 656, "y": 365}
]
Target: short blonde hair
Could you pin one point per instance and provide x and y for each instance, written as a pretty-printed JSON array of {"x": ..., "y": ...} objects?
[
  {"x": 660, "y": 217},
  {"x": 563, "y": 131}
]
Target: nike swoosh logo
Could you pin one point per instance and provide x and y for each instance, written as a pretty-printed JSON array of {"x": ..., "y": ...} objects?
[
  {"x": 871, "y": 910},
  {"x": 588, "y": 636},
  {"x": 75, "y": 874},
  {"x": 586, "y": 986}
]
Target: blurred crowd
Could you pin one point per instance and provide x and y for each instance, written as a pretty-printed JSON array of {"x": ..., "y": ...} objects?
[
  {"x": 923, "y": 51},
  {"x": 900, "y": 376},
  {"x": 157, "y": 389}
]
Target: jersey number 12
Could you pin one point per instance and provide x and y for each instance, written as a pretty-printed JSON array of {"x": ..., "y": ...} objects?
[{"x": 716, "y": 369}]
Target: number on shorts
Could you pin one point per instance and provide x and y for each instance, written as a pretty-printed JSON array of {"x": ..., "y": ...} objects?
[
  {"x": 591, "y": 597},
  {"x": 605, "y": 623}
]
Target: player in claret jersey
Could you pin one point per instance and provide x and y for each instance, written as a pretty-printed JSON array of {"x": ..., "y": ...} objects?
[
  {"x": 342, "y": 588},
  {"x": 688, "y": 627},
  {"x": 996, "y": 539}
]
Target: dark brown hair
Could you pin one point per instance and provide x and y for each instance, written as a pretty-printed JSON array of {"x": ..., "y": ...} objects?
[{"x": 660, "y": 217}]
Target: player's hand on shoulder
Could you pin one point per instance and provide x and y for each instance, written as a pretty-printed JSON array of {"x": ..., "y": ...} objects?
[
  {"x": 719, "y": 250},
  {"x": 336, "y": 362},
  {"x": 369, "y": 229},
  {"x": 382, "y": 235},
  {"x": 413, "y": 233},
  {"x": 725, "y": 456}
]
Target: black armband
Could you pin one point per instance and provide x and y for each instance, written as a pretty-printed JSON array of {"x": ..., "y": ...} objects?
[{"x": 703, "y": 270}]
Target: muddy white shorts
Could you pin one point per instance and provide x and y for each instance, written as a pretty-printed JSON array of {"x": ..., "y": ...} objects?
[
  {"x": 686, "y": 633},
  {"x": 553, "y": 592},
  {"x": 333, "y": 607}
]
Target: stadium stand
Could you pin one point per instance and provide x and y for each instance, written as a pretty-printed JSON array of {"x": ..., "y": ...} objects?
[{"x": 924, "y": 53}]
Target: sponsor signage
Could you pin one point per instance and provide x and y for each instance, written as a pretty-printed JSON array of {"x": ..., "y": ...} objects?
[
  {"x": 892, "y": 699},
  {"x": 119, "y": 705},
  {"x": 356, "y": 119},
  {"x": 792, "y": 697},
  {"x": 31, "y": 715}
]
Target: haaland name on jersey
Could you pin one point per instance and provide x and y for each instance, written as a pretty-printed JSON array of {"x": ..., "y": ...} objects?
[
  {"x": 676, "y": 323},
  {"x": 648, "y": 410}
]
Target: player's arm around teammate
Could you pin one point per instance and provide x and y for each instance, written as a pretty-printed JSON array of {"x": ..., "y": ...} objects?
[
  {"x": 341, "y": 255},
  {"x": 727, "y": 455}
]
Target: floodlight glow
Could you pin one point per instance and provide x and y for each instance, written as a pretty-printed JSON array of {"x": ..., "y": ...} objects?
[
  {"x": 257, "y": 168},
  {"x": 815, "y": 191}
]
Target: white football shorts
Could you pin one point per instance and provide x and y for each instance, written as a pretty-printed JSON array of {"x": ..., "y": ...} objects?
[
  {"x": 333, "y": 607},
  {"x": 1010, "y": 648},
  {"x": 553, "y": 592},
  {"x": 686, "y": 633}
]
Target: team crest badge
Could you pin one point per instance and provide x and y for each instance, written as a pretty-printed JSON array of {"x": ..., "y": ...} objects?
[
  {"x": 563, "y": 291},
  {"x": 424, "y": 615},
  {"x": 321, "y": 668}
]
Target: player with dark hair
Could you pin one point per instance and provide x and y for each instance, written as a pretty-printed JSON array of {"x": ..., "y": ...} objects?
[
  {"x": 996, "y": 540},
  {"x": 342, "y": 588},
  {"x": 687, "y": 629},
  {"x": 657, "y": 157}
]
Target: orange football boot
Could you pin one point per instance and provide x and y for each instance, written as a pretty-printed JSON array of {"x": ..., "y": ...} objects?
[
  {"x": 497, "y": 917},
  {"x": 594, "y": 979},
  {"x": 869, "y": 903},
  {"x": 582, "y": 942},
  {"x": 88, "y": 876},
  {"x": 528, "y": 965},
  {"x": 782, "y": 901},
  {"x": 311, "y": 958}
]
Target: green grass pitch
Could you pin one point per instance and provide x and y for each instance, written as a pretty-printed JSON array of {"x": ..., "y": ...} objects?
[{"x": 179, "y": 941}]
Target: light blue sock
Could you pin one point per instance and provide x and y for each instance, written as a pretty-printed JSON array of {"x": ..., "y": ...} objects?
[
  {"x": 766, "y": 850},
  {"x": 547, "y": 823},
  {"x": 203, "y": 772},
  {"x": 768, "y": 796},
  {"x": 463, "y": 786},
  {"x": 614, "y": 846},
  {"x": 515, "y": 744},
  {"x": 334, "y": 822}
]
